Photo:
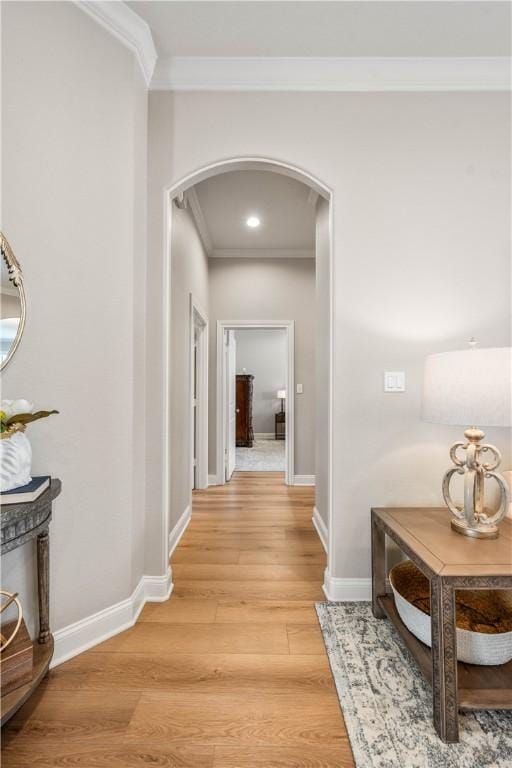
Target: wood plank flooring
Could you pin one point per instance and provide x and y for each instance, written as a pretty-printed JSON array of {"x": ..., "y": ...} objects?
[{"x": 231, "y": 672}]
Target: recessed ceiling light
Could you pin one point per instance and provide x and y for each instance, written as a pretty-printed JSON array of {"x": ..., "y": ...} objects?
[{"x": 253, "y": 222}]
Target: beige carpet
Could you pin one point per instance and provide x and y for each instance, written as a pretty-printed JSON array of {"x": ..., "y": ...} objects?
[{"x": 264, "y": 456}]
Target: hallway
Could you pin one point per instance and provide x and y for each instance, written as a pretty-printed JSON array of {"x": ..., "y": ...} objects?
[{"x": 231, "y": 672}]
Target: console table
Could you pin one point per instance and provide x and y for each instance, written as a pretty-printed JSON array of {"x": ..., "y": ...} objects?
[
  {"x": 450, "y": 562},
  {"x": 20, "y": 523}
]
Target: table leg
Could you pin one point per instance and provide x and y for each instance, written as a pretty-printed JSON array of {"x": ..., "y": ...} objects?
[
  {"x": 378, "y": 568},
  {"x": 43, "y": 585},
  {"x": 444, "y": 660}
]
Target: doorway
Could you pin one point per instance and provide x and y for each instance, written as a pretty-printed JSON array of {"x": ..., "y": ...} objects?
[
  {"x": 226, "y": 395},
  {"x": 230, "y": 404},
  {"x": 318, "y": 191},
  {"x": 261, "y": 361}
]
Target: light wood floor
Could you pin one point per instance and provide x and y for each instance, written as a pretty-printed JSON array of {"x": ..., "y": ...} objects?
[{"x": 231, "y": 672}]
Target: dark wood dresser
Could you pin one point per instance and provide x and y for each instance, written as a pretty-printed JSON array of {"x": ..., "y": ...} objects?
[{"x": 244, "y": 429}]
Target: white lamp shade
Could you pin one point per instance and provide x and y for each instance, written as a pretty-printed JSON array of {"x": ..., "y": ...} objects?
[
  {"x": 469, "y": 388},
  {"x": 281, "y": 394}
]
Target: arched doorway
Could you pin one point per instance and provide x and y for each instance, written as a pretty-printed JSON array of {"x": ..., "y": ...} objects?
[{"x": 177, "y": 189}]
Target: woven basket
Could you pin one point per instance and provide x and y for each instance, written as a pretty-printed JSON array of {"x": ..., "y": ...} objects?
[{"x": 483, "y": 617}]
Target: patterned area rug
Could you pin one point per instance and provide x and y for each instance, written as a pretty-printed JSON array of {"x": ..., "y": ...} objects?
[
  {"x": 387, "y": 704},
  {"x": 264, "y": 456}
]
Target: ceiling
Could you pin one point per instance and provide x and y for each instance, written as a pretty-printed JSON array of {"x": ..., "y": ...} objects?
[
  {"x": 286, "y": 208},
  {"x": 328, "y": 29}
]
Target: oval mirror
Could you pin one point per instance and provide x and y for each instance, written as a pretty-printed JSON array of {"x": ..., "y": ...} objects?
[{"x": 12, "y": 303}]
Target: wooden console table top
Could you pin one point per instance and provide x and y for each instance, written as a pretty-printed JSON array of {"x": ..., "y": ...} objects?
[{"x": 445, "y": 551}]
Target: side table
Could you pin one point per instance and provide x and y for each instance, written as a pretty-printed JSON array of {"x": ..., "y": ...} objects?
[
  {"x": 450, "y": 562},
  {"x": 280, "y": 425}
]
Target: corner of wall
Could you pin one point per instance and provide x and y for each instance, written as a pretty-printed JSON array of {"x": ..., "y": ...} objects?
[
  {"x": 92, "y": 630},
  {"x": 346, "y": 590}
]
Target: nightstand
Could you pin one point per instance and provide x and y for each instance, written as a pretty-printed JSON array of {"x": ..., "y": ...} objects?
[{"x": 280, "y": 425}]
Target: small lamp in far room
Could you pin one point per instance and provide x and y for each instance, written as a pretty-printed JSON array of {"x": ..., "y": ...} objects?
[
  {"x": 281, "y": 394},
  {"x": 471, "y": 388}
]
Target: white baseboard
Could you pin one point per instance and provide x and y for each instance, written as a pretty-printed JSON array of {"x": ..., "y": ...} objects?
[
  {"x": 321, "y": 528},
  {"x": 349, "y": 590},
  {"x": 179, "y": 529},
  {"x": 264, "y": 436},
  {"x": 303, "y": 480},
  {"x": 88, "y": 632},
  {"x": 212, "y": 480}
]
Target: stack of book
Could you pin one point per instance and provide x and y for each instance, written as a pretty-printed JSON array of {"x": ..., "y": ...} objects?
[{"x": 26, "y": 493}]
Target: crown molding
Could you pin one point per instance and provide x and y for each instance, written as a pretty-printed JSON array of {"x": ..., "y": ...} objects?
[
  {"x": 262, "y": 253},
  {"x": 124, "y": 24},
  {"x": 200, "y": 221},
  {"x": 332, "y": 74}
]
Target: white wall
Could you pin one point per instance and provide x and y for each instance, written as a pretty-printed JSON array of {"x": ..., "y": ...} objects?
[
  {"x": 421, "y": 191},
  {"x": 269, "y": 289},
  {"x": 189, "y": 275},
  {"x": 74, "y": 125},
  {"x": 138, "y": 267},
  {"x": 160, "y": 159},
  {"x": 263, "y": 353}
]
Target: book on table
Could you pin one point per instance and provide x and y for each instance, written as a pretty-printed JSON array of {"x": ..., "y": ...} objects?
[{"x": 26, "y": 493}]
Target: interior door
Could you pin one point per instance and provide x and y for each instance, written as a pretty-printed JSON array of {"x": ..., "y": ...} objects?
[{"x": 231, "y": 403}]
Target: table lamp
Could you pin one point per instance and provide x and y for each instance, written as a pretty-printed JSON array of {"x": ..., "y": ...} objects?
[
  {"x": 471, "y": 388},
  {"x": 281, "y": 394}
]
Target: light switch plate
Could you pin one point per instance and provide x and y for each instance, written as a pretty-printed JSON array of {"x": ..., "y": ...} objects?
[
  {"x": 299, "y": 389},
  {"x": 394, "y": 381}
]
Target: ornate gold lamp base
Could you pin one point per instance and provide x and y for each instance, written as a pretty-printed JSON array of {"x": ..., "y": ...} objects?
[{"x": 474, "y": 519}]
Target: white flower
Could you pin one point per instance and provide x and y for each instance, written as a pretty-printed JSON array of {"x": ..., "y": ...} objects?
[
  {"x": 6, "y": 407},
  {"x": 13, "y": 407}
]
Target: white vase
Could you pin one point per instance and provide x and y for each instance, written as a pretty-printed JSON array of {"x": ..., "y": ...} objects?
[{"x": 15, "y": 462}]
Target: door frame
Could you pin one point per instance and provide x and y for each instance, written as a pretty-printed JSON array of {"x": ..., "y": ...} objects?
[
  {"x": 199, "y": 319},
  {"x": 159, "y": 521},
  {"x": 227, "y": 420},
  {"x": 221, "y": 410}
]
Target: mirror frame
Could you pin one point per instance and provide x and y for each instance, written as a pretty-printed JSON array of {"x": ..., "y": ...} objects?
[{"x": 16, "y": 278}]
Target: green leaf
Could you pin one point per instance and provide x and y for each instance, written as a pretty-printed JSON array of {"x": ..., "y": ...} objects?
[{"x": 26, "y": 418}]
